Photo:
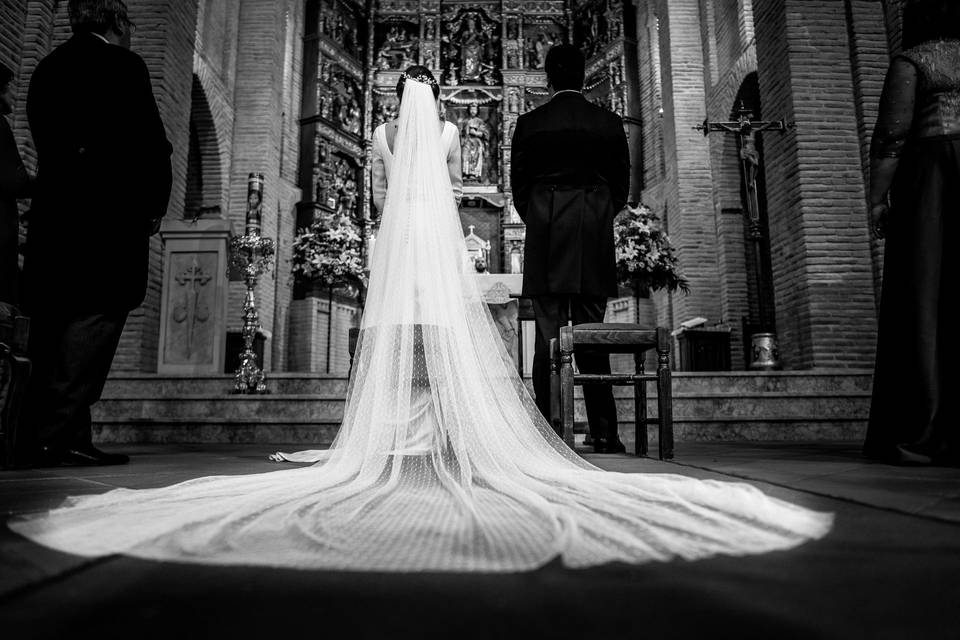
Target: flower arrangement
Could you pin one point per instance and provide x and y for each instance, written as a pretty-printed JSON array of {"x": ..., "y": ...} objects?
[
  {"x": 330, "y": 252},
  {"x": 645, "y": 258}
]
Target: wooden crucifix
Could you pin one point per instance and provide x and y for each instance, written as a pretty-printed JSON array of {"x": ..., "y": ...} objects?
[{"x": 746, "y": 129}]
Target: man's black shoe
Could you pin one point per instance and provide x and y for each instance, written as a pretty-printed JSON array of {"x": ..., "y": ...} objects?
[
  {"x": 602, "y": 446},
  {"x": 90, "y": 456}
]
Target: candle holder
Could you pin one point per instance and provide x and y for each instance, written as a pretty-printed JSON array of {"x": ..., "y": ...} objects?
[{"x": 250, "y": 254}]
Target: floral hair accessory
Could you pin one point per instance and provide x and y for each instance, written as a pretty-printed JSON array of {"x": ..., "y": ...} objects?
[{"x": 422, "y": 78}]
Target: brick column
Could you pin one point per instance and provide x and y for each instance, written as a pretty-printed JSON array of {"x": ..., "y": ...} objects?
[
  {"x": 823, "y": 278},
  {"x": 257, "y": 135},
  {"x": 868, "y": 65},
  {"x": 688, "y": 196}
]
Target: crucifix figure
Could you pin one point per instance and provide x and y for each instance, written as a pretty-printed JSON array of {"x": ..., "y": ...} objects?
[{"x": 746, "y": 129}]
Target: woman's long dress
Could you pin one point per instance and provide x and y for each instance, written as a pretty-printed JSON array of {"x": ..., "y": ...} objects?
[{"x": 914, "y": 404}]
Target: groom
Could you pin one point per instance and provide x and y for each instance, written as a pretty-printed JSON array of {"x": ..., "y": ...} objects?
[{"x": 570, "y": 174}]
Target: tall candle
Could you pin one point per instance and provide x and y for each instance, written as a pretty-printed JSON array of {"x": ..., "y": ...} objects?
[{"x": 254, "y": 204}]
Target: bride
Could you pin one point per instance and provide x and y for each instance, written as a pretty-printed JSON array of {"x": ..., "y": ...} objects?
[{"x": 443, "y": 462}]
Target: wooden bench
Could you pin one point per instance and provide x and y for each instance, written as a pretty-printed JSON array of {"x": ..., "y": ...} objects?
[{"x": 615, "y": 338}]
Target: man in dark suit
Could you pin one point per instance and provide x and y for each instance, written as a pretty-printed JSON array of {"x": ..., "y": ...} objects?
[
  {"x": 103, "y": 184},
  {"x": 570, "y": 173},
  {"x": 15, "y": 183}
]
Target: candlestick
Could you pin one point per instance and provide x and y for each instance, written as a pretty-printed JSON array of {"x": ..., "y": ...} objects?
[{"x": 254, "y": 204}]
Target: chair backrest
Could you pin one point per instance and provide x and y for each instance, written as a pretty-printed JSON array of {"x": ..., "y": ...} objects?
[{"x": 614, "y": 337}]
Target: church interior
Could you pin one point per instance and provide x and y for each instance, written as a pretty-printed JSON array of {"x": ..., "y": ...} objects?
[{"x": 270, "y": 107}]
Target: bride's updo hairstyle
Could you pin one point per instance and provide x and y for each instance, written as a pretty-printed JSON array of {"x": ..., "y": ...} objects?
[{"x": 418, "y": 73}]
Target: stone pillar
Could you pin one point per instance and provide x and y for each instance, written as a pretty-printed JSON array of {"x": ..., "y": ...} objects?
[
  {"x": 822, "y": 266},
  {"x": 868, "y": 62},
  {"x": 257, "y": 143},
  {"x": 193, "y": 322},
  {"x": 688, "y": 201}
]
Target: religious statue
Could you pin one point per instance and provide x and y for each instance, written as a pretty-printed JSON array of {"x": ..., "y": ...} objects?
[
  {"x": 537, "y": 52},
  {"x": 475, "y": 144},
  {"x": 430, "y": 29},
  {"x": 750, "y": 159},
  {"x": 397, "y": 51},
  {"x": 513, "y": 29},
  {"x": 513, "y": 59},
  {"x": 614, "y": 73},
  {"x": 352, "y": 119},
  {"x": 513, "y": 100},
  {"x": 451, "y": 75},
  {"x": 429, "y": 59},
  {"x": 471, "y": 47}
]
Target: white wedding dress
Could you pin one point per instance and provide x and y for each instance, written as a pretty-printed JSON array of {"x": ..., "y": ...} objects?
[{"x": 443, "y": 462}]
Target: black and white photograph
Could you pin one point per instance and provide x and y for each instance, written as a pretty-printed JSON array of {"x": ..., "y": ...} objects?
[{"x": 474, "y": 319}]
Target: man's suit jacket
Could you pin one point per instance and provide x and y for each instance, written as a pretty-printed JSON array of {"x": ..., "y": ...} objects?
[
  {"x": 103, "y": 174},
  {"x": 570, "y": 174}
]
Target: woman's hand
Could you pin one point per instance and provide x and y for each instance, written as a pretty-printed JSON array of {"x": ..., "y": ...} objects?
[{"x": 878, "y": 219}]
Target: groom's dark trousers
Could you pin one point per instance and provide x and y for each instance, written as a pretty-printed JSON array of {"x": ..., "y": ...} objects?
[
  {"x": 103, "y": 180},
  {"x": 570, "y": 174}
]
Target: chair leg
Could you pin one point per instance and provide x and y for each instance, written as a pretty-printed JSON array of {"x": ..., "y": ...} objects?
[
  {"x": 641, "y": 446},
  {"x": 556, "y": 415},
  {"x": 664, "y": 394},
  {"x": 566, "y": 383}
]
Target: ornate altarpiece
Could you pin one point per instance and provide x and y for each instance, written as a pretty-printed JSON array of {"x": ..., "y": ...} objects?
[{"x": 489, "y": 58}]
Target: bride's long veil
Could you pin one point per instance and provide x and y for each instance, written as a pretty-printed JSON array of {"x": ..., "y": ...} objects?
[
  {"x": 442, "y": 461},
  {"x": 432, "y": 376}
]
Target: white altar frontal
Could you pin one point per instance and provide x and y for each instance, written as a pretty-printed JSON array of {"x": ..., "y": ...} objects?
[{"x": 501, "y": 292}]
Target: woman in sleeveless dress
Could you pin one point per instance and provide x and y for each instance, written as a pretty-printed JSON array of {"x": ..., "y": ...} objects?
[
  {"x": 916, "y": 161},
  {"x": 442, "y": 461}
]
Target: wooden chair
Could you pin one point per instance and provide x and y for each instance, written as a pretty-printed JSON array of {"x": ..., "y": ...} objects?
[{"x": 614, "y": 338}]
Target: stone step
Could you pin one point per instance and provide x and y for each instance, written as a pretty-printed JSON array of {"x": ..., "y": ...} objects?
[
  {"x": 158, "y": 386},
  {"x": 720, "y": 407},
  {"x": 215, "y": 431},
  {"x": 307, "y": 408},
  {"x": 824, "y": 383}
]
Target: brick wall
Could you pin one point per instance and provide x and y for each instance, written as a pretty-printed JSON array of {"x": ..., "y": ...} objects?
[
  {"x": 822, "y": 267},
  {"x": 308, "y": 320},
  {"x": 13, "y": 16},
  {"x": 723, "y": 79},
  {"x": 688, "y": 180}
]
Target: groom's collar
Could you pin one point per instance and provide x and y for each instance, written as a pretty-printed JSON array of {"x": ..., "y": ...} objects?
[{"x": 567, "y": 92}]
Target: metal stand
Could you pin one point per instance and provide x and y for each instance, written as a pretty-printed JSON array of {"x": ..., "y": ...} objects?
[{"x": 251, "y": 255}]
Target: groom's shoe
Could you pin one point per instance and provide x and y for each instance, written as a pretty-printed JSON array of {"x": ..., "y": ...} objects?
[
  {"x": 90, "y": 456},
  {"x": 601, "y": 445}
]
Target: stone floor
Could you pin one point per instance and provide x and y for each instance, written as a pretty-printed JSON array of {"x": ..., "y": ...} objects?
[{"x": 889, "y": 569}]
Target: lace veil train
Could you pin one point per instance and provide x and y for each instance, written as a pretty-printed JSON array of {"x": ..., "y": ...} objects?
[{"x": 442, "y": 461}]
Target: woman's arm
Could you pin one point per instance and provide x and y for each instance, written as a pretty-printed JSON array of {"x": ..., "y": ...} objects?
[
  {"x": 890, "y": 134},
  {"x": 455, "y": 169},
  {"x": 379, "y": 184}
]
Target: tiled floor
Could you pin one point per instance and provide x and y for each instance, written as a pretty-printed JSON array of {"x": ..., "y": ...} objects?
[{"x": 890, "y": 568}]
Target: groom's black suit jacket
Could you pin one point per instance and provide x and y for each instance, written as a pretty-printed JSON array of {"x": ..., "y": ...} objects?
[
  {"x": 570, "y": 174},
  {"x": 103, "y": 174}
]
